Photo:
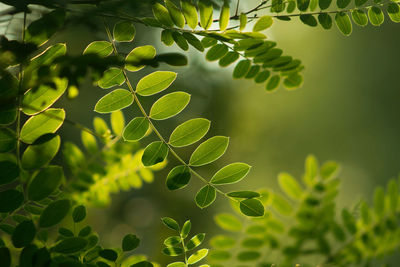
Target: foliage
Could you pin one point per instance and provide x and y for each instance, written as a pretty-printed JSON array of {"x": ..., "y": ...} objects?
[{"x": 42, "y": 200}]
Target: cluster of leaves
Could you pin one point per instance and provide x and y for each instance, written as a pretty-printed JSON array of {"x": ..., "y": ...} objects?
[
  {"x": 304, "y": 225},
  {"x": 176, "y": 245}
]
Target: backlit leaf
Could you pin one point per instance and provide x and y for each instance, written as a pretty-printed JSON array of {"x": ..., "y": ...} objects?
[
  {"x": 116, "y": 100},
  {"x": 138, "y": 57},
  {"x": 195, "y": 241},
  {"x": 170, "y": 223},
  {"x": 175, "y": 13},
  {"x": 101, "y": 48},
  {"x": 155, "y": 82},
  {"x": 252, "y": 207},
  {"x": 205, "y": 196},
  {"x": 263, "y": 23},
  {"x": 178, "y": 177},
  {"x": 224, "y": 17},
  {"x": 111, "y": 77},
  {"x": 190, "y": 13},
  {"x": 209, "y": 151},
  {"x": 343, "y": 23},
  {"x": 216, "y": 52},
  {"x": 198, "y": 256},
  {"x": 228, "y": 222},
  {"x": 124, "y": 31},
  {"x": 154, "y": 153},
  {"x": 376, "y": 16},
  {"x": 136, "y": 129},
  {"x": 206, "y": 14},
  {"x": 290, "y": 186},
  {"x": 189, "y": 132},
  {"x": 232, "y": 173},
  {"x": 169, "y": 105},
  {"x": 162, "y": 15},
  {"x": 41, "y": 152}
]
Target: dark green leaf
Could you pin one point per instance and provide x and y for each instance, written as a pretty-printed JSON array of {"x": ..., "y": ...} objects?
[
  {"x": 241, "y": 68},
  {"x": 172, "y": 251},
  {"x": 79, "y": 213},
  {"x": 23, "y": 234},
  {"x": 54, "y": 213},
  {"x": 193, "y": 41},
  {"x": 252, "y": 207},
  {"x": 5, "y": 257},
  {"x": 154, "y": 153},
  {"x": 309, "y": 20},
  {"x": 180, "y": 40},
  {"x": 8, "y": 140},
  {"x": 375, "y": 15},
  {"x": 65, "y": 232},
  {"x": 325, "y": 20},
  {"x": 273, "y": 83},
  {"x": 10, "y": 200},
  {"x": 195, "y": 241},
  {"x": 143, "y": 264},
  {"x": 216, "y": 52},
  {"x": 205, "y": 196},
  {"x": 343, "y": 23},
  {"x": 343, "y": 3},
  {"x": 130, "y": 242},
  {"x": 108, "y": 254},
  {"x": 228, "y": 59},
  {"x": 124, "y": 31},
  {"x": 166, "y": 37},
  {"x": 9, "y": 171},
  {"x": 45, "y": 182},
  {"x": 243, "y": 194},
  {"x": 232, "y": 173},
  {"x": 170, "y": 223},
  {"x": 178, "y": 177},
  {"x": 70, "y": 245}
]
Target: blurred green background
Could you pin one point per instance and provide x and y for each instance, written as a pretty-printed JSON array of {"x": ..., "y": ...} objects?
[{"x": 347, "y": 110}]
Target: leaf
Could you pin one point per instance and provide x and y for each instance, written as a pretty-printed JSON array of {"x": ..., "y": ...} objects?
[
  {"x": 136, "y": 129},
  {"x": 329, "y": 170},
  {"x": 205, "y": 196},
  {"x": 222, "y": 242},
  {"x": 263, "y": 23},
  {"x": 65, "y": 232},
  {"x": 9, "y": 172},
  {"x": 175, "y": 13},
  {"x": 155, "y": 82},
  {"x": 281, "y": 205},
  {"x": 116, "y": 100},
  {"x": 198, "y": 256},
  {"x": 54, "y": 213},
  {"x": 190, "y": 13},
  {"x": 193, "y": 41},
  {"x": 273, "y": 83},
  {"x": 241, "y": 69},
  {"x": 8, "y": 140},
  {"x": 393, "y": 11},
  {"x": 117, "y": 122},
  {"x": 325, "y": 20},
  {"x": 154, "y": 153},
  {"x": 124, "y": 31},
  {"x": 206, "y": 14},
  {"x": 290, "y": 186},
  {"x": 209, "y": 151},
  {"x": 172, "y": 251},
  {"x": 23, "y": 234},
  {"x": 302, "y": 5},
  {"x": 195, "y": 241},
  {"x": 70, "y": 245},
  {"x": 252, "y": 207},
  {"x": 162, "y": 15},
  {"x": 177, "y": 264},
  {"x": 10, "y": 200},
  {"x": 343, "y": 3},
  {"x": 253, "y": 72},
  {"x": 208, "y": 41},
  {"x": 166, "y": 37},
  {"x": 178, "y": 177},
  {"x": 242, "y": 21},
  {"x": 130, "y": 242},
  {"x": 379, "y": 202},
  {"x": 85, "y": 231},
  {"x": 293, "y": 81},
  {"x": 180, "y": 41},
  {"x": 309, "y": 20},
  {"x": 172, "y": 241},
  {"x": 224, "y": 17},
  {"x": 41, "y": 152},
  {"x": 248, "y": 255},
  {"x": 230, "y": 174},
  {"x": 5, "y": 256},
  {"x": 138, "y": 57},
  {"x": 46, "y": 122},
  {"x": 343, "y": 23},
  {"x": 108, "y": 254},
  {"x": 170, "y": 223},
  {"x": 324, "y": 4},
  {"x": 262, "y": 76},
  {"x": 313, "y": 5},
  {"x": 40, "y": 31},
  {"x": 243, "y": 194},
  {"x": 143, "y": 264},
  {"x": 100, "y": 48},
  {"x": 45, "y": 182},
  {"x": 349, "y": 221},
  {"x": 375, "y": 15},
  {"x": 216, "y": 52},
  {"x": 8, "y": 113},
  {"x": 111, "y": 77},
  {"x": 79, "y": 213},
  {"x": 186, "y": 229},
  {"x": 228, "y": 58},
  {"x": 189, "y": 132},
  {"x": 172, "y": 59},
  {"x": 169, "y": 105}
]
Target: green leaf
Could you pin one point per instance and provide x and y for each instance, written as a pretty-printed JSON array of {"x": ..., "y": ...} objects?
[
  {"x": 45, "y": 182},
  {"x": 222, "y": 242},
  {"x": 136, "y": 129},
  {"x": 124, "y": 31},
  {"x": 10, "y": 200},
  {"x": 70, "y": 245},
  {"x": 172, "y": 251},
  {"x": 189, "y": 132},
  {"x": 108, "y": 254},
  {"x": 9, "y": 172},
  {"x": 116, "y": 100},
  {"x": 252, "y": 242},
  {"x": 130, "y": 242},
  {"x": 325, "y": 20},
  {"x": 313, "y": 5},
  {"x": 23, "y": 234},
  {"x": 100, "y": 48},
  {"x": 5, "y": 256},
  {"x": 190, "y": 13},
  {"x": 65, "y": 232},
  {"x": 375, "y": 15},
  {"x": 290, "y": 186},
  {"x": 138, "y": 57},
  {"x": 208, "y": 41},
  {"x": 178, "y": 177},
  {"x": 170, "y": 223},
  {"x": 180, "y": 41},
  {"x": 302, "y": 5},
  {"x": 273, "y": 83},
  {"x": 41, "y": 152},
  {"x": 230, "y": 174},
  {"x": 254, "y": 70},
  {"x": 169, "y": 105},
  {"x": 379, "y": 202},
  {"x": 324, "y": 4},
  {"x": 206, "y": 14},
  {"x": 166, "y": 37},
  {"x": 46, "y": 57},
  {"x": 111, "y": 77},
  {"x": 89, "y": 141},
  {"x": 85, "y": 231},
  {"x": 293, "y": 81},
  {"x": 360, "y": 2},
  {"x": 281, "y": 205},
  {"x": 393, "y": 11},
  {"x": 177, "y": 264},
  {"x": 243, "y": 194},
  {"x": 343, "y": 3},
  {"x": 54, "y": 213},
  {"x": 46, "y": 122},
  {"x": 162, "y": 15},
  {"x": 252, "y": 207},
  {"x": 224, "y": 17},
  {"x": 242, "y": 21},
  {"x": 41, "y": 98},
  {"x": 349, "y": 221},
  {"x": 143, "y": 264},
  {"x": 155, "y": 82},
  {"x": 262, "y": 76},
  {"x": 40, "y": 30},
  {"x": 228, "y": 59},
  {"x": 228, "y": 222},
  {"x": 193, "y": 41},
  {"x": 249, "y": 255},
  {"x": 175, "y": 13},
  {"x": 195, "y": 241},
  {"x": 172, "y": 241},
  {"x": 205, "y": 196},
  {"x": 154, "y": 153},
  {"x": 172, "y": 59},
  {"x": 79, "y": 213},
  {"x": 216, "y": 52},
  {"x": 309, "y": 20},
  {"x": 329, "y": 170},
  {"x": 8, "y": 140},
  {"x": 263, "y": 23},
  {"x": 117, "y": 122},
  {"x": 241, "y": 68},
  {"x": 343, "y": 23},
  {"x": 8, "y": 113},
  {"x": 186, "y": 229},
  {"x": 198, "y": 256},
  {"x": 209, "y": 151}
]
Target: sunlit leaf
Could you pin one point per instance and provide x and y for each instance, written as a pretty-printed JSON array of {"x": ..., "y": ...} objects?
[
  {"x": 175, "y": 13},
  {"x": 290, "y": 186},
  {"x": 162, "y": 15},
  {"x": 155, "y": 82},
  {"x": 205, "y": 196},
  {"x": 252, "y": 207},
  {"x": 154, "y": 153},
  {"x": 111, "y": 77},
  {"x": 189, "y": 132},
  {"x": 195, "y": 241},
  {"x": 376, "y": 16},
  {"x": 228, "y": 222},
  {"x": 190, "y": 13},
  {"x": 198, "y": 256},
  {"x": 169, "y": 105},
  {"x": 232, "y": 173},
  {"x": 224, "y": 16},
  {"x": 209, "y": 151},
  {"x": 343, "y": 23},
  {"x": 116, "y": 100},
  {"x": 263, "y": 23},
  {"x": 216, "y": 52},
  {"x": 136, "y": 129},
  {"x": 170, "y": 223},
  {"x": 138, "y": 57},
  {"x": 206, "y": 14},
  {"x": 124, "y": 31},
  {"x": 101, "y": 48}
]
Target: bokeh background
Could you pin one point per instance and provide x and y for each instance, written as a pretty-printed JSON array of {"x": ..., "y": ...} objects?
[{"x": 347, "y": 110}]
